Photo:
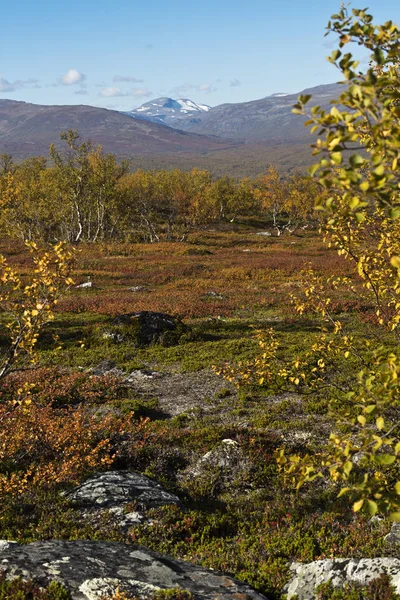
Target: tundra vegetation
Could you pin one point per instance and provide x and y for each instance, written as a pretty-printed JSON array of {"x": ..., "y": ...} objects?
[{"x": 293, "y": 315}]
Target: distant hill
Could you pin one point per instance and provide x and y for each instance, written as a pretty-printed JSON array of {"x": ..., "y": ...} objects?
[
  {"x": 170, "y": 112},
  {"x": 28, "y": 129},
  {"x": 237, "y": 139},
  {"x": 269, "y": 119}
]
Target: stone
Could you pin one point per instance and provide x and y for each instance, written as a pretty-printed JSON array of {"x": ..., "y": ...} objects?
[
  {"x": 215, "y": 295},
  {"x": 89, "y": 570},
  {"x": 139, "y": 375},
  {"x": 113, "y": 491},
  {"x": 264, "y": 233},
  {"x": 86, "y": 284},
  {"x": 393, "y": 537},
  {"x": 118, "y": 488},
  {"x": 306, "y": 577},
  {"x": 145, "y": 328},
  {"x": 227, "y": 456},
  {"x": 107, "y": 367},
  {"x": 138, "y": 288}
]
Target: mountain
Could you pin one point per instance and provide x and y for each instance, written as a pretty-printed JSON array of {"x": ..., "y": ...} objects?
[
  {"x": 237, "y": 139},
  {"x": 269, "y": 119},
  {"x": 28, "y": 130},
  {"x": 168, "y": 111}
]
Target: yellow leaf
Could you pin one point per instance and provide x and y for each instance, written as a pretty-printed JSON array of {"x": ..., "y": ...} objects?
[{"x": 358, "y": 505}]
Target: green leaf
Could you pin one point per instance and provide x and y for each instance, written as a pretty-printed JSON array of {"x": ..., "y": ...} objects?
[
  {"x": 371, "y": 507},
  {"x": 380, "y": 423},
  {"x": 395, "y": 516},
  {"x": 356, "y": 160},
  {"x": 347, "y": 467},
  {"x": 397, "y": 487},
  {"x": 337, "y": 158},
  {"x": 379, "y": 56},
  {"x": 385, "y": 459},
  {"x": 335, "y": 55}
]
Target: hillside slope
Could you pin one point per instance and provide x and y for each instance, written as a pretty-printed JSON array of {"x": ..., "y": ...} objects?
[{"x": 28, "y": 129}]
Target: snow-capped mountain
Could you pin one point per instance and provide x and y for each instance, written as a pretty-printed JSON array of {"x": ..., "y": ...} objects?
[{"x": 169, "y": 111}]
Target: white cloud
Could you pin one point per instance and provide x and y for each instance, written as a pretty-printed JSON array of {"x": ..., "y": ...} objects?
[
  {"x": 141, "y": 93},
  {"x": 180, "y": 90},
  {"x": 235, "y": 83},
  {"x": 126, "y": 78},
  {"x": 12, "y": 86},
  {"x": 72, "y": 77},
  {"x": 112, "y": 92},
  {"x": 207, "y": 88},
  {"x": 7, "y": 86}
]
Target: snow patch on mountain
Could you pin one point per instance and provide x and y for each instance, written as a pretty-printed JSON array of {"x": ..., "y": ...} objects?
[{"x": 165, "y": 110}]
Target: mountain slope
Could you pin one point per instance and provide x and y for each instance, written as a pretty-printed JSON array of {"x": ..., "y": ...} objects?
[
  {"x": 28, "y": 129},
  {"x": 169, "y": 111},
  {"x": 268, "y": 119}
]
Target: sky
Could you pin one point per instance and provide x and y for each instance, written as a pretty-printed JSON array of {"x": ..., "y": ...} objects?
[{"x": 119, "y": 54}]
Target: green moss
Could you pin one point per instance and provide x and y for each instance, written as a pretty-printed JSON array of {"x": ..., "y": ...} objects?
[
  {"x": 18, "y": 589},
  {"x": 173, "y": 594},
  {"x": 377, "y": 589}
]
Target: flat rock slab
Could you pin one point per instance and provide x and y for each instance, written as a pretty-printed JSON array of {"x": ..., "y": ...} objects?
[
  {"x": 90, "y": 570},
  {"x": 116, "y": 488},
  {"x": 339, "y": 571}
]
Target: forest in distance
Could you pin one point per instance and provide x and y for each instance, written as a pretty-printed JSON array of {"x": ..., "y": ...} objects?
[{"x": 87, "y": 195}]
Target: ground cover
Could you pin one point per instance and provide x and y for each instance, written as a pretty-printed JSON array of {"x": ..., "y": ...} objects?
[{"x": 239, "y": 516}]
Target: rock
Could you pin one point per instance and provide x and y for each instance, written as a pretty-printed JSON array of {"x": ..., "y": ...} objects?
[
  {"x": 91, "y": 569},
  {"x": 112, "y": 492},
  {"x": 375, "y": 520},
  {"x": 115, "y": 337},
  {"x": 393, "y": 537},
  {"x": 117, "y": 488},
  {"x": 264, "y": 233},
  {"x": 87, "y": 284},
  {"x": 306, "y": 577},
  {"x": 107, "y": 367},
  {"x": 138, "y": 288},
  {"x": 142, "y": 375},
  {"x": 215, "y": 295},
  {"x": 228, "y": 457},
  {"x": 145, "y": 328}
]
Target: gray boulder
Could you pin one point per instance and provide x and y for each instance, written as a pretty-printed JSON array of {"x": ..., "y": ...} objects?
[
  {"x": 393, "y": 537},
  {"x": 306, "y": 577},
  {"x": 90, "y": 570},
  {"x": 120, "y": 487},
  {"x": 145, "y": 328},
  {"x": 112, "y": 491},
  {"x": 227, "y": 455}
]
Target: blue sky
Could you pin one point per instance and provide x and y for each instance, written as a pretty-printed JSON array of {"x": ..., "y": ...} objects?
[{"x": 119, "y": 54}]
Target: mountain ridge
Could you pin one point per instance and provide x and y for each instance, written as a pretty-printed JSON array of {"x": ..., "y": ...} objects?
[{"x": 28, "y": 129}]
